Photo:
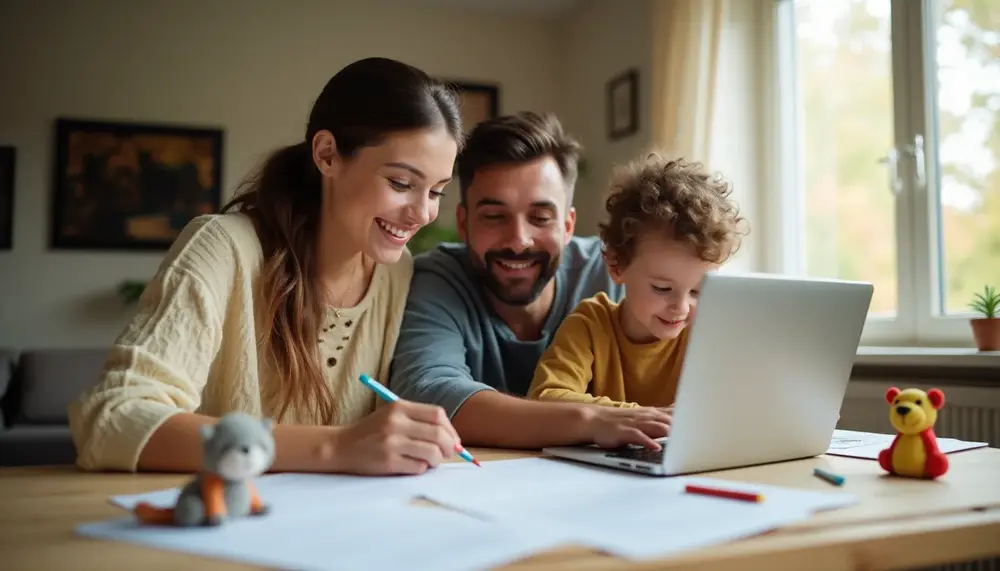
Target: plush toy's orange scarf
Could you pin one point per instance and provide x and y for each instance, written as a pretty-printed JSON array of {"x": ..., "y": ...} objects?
[{"x": 212, "y": 494}]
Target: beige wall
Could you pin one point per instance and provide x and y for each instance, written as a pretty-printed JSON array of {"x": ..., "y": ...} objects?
[
  {"x": 602, "y": 39},
  {"x": 253, "y": 67}
]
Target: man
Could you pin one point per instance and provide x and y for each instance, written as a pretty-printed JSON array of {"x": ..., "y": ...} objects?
[{"x": 480, "y": 314}]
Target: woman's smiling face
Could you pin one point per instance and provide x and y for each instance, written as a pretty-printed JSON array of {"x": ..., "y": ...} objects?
[{"x": 382, "y": 195}]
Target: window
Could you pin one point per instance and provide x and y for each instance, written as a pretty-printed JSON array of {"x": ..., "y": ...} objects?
[{"x": 889, "y": 153}]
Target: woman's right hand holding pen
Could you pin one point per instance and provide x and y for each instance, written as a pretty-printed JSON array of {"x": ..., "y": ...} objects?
[{"x": 399, "y": 438}]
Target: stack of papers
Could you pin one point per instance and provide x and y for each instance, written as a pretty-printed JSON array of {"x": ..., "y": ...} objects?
[
  {"x": 494, "y": 515},
  {"x": 631, "y": 516},
  {"x": 868, "y": 444}
]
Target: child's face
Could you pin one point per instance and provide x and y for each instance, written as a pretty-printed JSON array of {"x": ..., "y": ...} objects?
[{"x": 661, "y": 285}]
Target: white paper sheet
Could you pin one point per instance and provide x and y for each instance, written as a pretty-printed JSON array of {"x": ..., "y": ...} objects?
[
  {"x": 654, "y": 522},
  {"x": 647, "y": 528},
  {"x": 519, "y": 506},
  {"x": 868, "y": 444},
  {"x": 509, "y": 487},
  {"x": 322, "y": 489},
  {"x": 394, "y": 536},
  {"x": 503, "y": 487},
  {"x": 632, "y": 516}
]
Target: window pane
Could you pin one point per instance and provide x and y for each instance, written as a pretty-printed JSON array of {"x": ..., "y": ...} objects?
[
  {"x": 844, "y": 72},
  {"x": 968, "y": 135}
]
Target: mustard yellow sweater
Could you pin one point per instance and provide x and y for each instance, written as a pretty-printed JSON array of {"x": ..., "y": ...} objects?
[
  {"x": 591, "y": 360},
  {"x": 192, "y": 346}
]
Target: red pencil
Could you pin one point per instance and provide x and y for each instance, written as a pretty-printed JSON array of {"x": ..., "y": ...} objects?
[{"x": 733, "y": 495}]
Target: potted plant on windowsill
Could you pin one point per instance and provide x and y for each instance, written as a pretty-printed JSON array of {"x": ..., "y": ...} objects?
[{"x": 986, "y": 329}]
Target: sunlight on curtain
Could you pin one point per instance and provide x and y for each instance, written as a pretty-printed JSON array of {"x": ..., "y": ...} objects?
[{"x": 685, "y": 39}]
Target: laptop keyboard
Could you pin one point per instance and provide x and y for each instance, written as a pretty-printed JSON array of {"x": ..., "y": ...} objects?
[{"x": 639, "y": 453}]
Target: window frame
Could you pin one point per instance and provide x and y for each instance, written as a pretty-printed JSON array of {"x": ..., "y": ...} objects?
[{"x": 917, "y": 323}]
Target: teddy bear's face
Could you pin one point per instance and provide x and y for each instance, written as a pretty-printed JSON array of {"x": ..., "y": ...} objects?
[{"x": 912, "y": 411}]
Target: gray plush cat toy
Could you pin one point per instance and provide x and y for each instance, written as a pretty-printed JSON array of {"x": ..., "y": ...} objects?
[{"x": 237, "y": 449}]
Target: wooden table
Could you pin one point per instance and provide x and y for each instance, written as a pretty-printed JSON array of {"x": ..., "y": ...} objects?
[{"x": 898, "y": 523}]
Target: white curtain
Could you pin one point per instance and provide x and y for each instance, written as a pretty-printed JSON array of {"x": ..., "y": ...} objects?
[{"x": 685, "y": 38}]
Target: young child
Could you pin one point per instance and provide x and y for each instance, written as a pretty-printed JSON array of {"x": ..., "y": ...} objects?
[{"x": 668, "y": 223}]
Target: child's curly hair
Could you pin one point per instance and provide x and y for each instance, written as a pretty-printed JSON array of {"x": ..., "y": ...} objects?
[{"x": 678, "y": 199}]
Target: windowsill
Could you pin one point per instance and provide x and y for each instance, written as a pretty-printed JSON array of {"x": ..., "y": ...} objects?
[{"x": 927, "y": 356}]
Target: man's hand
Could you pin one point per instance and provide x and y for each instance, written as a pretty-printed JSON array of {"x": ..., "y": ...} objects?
[{"x": 610, "y": 427}]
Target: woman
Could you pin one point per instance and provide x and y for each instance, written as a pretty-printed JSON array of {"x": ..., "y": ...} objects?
[{"x": 277, "y": 305}]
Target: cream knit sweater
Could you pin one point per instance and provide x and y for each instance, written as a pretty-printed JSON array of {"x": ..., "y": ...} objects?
[{"x": 192, "y": 346}]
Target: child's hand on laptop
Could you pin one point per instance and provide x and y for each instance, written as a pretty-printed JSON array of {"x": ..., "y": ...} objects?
[
  {"x": 669, "y": 411},
  {"x": 612, "y": 427}
]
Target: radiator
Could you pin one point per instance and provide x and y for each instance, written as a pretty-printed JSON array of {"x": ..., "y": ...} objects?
[{"x": 969, "y": 413}]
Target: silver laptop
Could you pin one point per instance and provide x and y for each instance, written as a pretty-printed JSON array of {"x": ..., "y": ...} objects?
[{"x": 764, "y": 377}]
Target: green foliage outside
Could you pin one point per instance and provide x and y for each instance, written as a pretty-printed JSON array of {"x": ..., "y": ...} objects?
[{"x": 846, "y": 85}]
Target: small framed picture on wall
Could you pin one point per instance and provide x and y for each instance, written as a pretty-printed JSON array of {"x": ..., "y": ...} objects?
[
  {"x": 7, "y": 159},
  {"x": 478, "y": 102},
  {"x": 623, "y": 104}
]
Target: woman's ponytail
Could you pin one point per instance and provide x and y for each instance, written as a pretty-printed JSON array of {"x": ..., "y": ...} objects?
[{"x": 283, "y": 199}]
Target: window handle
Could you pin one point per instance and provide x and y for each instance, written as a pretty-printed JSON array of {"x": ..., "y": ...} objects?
[
  {"x": 916, "y": 150},
  {"x": 892, "y": 159}
]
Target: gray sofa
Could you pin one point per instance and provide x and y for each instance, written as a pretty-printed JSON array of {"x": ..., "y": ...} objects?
[{"x": 36, "y": 386}]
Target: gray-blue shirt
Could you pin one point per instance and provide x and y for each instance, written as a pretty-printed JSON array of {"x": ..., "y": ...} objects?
[{"x": 452, "y": 344}]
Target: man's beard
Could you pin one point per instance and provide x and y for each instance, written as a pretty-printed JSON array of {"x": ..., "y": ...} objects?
[{"x": 508, "y": 295}]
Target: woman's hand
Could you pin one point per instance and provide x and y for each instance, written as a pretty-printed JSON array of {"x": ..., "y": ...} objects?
[
  {"x": 610, "y": 427},
  {"x": 400, "y": 438}
]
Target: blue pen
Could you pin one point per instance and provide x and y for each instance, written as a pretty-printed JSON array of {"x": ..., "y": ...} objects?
[
  {"x": 389, "y": 396},
  {"x": 829, "y": 477}
]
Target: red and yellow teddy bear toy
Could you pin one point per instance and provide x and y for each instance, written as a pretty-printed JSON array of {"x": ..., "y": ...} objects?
[{"x": 914, "y": 452}]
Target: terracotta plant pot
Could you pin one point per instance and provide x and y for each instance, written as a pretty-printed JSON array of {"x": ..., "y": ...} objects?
[{"x": 986, "y": 331}]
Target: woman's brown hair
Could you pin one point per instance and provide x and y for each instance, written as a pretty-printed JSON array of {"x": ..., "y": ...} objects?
[{"x": 361, "y": 105}]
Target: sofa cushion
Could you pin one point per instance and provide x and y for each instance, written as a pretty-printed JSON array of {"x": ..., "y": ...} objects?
[
  {"x": 52, "y": 378},
  {"x": 26, "y": 445}
]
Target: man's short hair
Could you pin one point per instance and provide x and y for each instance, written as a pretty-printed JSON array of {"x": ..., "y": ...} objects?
[{"x": 518, "y": 138}]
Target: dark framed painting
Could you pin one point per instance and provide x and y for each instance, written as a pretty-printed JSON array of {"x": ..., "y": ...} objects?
[
  {"x": 477, "y": 101},
  {"x": 131, "y": 186},
  {"x": 7, "y": 160},
  {"x": 623, "y": 104}
]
